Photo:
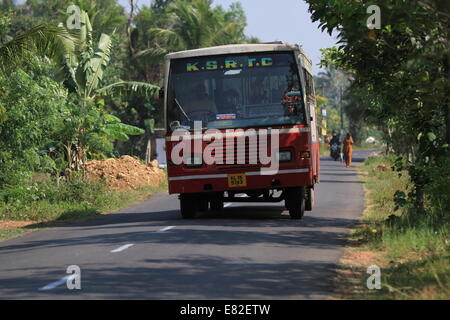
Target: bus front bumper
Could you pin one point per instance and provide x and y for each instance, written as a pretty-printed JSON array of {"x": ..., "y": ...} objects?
[{"x": 254, "y": 180}]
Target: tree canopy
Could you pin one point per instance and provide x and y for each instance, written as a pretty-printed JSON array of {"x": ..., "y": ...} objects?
[{"x": 400, "y": 75}]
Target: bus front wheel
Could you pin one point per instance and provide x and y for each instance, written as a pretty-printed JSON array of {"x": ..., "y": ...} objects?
[
  {"x": 217, "y": 202},
  {"x": 188, "y": 206},
  {"x": 310, "y": 199},
  {"x": 216, "y": 205},
  {"x": 296, "y": 202}
]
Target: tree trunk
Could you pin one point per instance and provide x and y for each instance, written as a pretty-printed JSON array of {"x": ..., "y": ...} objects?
[
  {"x": 148, "y": 153},
  {"x": 132, "y": 50}
]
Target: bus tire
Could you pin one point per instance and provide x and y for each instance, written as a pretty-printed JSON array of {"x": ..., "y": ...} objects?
[
  {"x": 203, "y": 205},
  {"x": 188, "y": 206},
  {"x": 296, "y": 202},
  {"x": 310, "y": 199},
  {"x": 216, "y": 205}
]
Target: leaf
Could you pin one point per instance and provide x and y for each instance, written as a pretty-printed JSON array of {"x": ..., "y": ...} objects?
[
  {"x": 419, "y": 136},
  {"x": 125, "y": 128},
  {"x": 109, "y": 118},
  {"x": 123, "y": 87},
  {"x": 43, "y": 39},
  {"x": 150, "y": 125},
  {"x": 431, "y": 136},
  {"x": 97, "y": 64},
  {"x": 3, "y": 116},
  {"x": 115, "y": 135}
]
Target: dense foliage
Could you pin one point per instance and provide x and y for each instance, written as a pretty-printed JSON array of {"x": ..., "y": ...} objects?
[
  {"x": 70, "y": 95},
  {"x": 400, "y": 77}
]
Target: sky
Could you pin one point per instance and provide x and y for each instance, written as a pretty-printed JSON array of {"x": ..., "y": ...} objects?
[
  {"x": 280, "y": 20},
  {"x": 284, "y": 20}
]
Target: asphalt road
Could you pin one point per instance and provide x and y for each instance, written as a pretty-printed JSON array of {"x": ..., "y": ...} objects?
[{"x": 149, "y": 252}]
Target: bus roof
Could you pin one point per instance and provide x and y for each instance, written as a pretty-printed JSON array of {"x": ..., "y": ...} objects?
[{"x": 240, "y": 48}]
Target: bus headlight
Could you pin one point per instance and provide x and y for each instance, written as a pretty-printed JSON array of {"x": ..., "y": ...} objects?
[{"x": 284, "y": 156}]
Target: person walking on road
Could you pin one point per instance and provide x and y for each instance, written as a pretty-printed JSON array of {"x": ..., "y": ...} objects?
[{"x": 348, "y": 150}]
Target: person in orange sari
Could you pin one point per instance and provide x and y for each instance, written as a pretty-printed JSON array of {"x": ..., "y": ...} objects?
[{"x": 348, "y": 150}]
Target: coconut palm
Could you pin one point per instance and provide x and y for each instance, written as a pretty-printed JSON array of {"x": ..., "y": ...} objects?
[
  {"x": 44, "y": 40},
  {"x": 195, "y": 25}
]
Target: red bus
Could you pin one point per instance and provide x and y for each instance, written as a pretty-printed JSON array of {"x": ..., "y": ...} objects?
[{"x": 224, "y": 106}]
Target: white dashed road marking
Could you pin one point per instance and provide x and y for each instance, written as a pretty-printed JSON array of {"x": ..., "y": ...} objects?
[
  {"x": 166, "y": 229},
  {"x": 122, "y": 248},
  {"x": 55, "y": 284}
]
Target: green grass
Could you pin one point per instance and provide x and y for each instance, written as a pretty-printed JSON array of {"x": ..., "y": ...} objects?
[
  {"x": 412, "y": 250},
  {"x": 47, "y": 205}
]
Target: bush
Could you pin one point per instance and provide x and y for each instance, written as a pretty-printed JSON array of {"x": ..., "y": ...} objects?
[
  {"x": 32, "y": 104},
  {"x": 437, "y": 191},
  {"x": 31, "y": 202}
]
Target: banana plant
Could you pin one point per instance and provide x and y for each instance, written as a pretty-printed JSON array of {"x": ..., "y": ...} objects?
[
  {"x": 116, "y": 130},
  {"x": 83, "y": 67},
  {"x": 82, "y": 70}
]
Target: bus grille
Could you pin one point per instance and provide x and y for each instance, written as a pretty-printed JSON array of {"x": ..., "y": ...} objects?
[{"x": 235, "y": 154}]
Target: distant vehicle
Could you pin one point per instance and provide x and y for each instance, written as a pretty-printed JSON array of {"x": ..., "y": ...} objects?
[
  {"x": 335, "y": 151},
  {"x": 371, "y": 140},
  {"x": 241, "y": 92}
]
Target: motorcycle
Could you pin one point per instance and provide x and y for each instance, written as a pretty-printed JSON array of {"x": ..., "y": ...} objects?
[{"x": 335, "y": 151}]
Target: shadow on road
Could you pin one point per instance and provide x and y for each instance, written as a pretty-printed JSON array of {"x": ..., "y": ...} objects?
[
  {"x": 237, "y": 229},
  {"x": 187, "y": 277}
]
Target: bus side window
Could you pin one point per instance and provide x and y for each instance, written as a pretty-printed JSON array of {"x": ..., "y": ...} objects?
[{"x": 309, "y": 83}]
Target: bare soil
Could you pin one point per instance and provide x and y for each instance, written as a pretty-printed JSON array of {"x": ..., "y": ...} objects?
[
  {"x": 14, "y": 224},
  {"x": 125, "y": 173}
]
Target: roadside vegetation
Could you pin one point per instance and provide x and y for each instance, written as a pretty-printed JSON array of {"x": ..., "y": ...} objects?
[
  {"x": 69, "y": 96},
  {"x": 412, "y": 250},
  {"x": 43, "y": 203},
  {"x": 398, "y": 82}
]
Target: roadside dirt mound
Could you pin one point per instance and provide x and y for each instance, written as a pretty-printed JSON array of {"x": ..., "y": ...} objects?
[{"x": 125, "y": 173}]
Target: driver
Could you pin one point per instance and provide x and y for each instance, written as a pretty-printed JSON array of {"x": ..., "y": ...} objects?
[
  {"x": 199, "y": 101},
  {"x": 230, "y": 102}
]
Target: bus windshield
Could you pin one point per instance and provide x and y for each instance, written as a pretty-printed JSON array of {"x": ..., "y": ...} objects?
[{"x": 228, "y": 92}]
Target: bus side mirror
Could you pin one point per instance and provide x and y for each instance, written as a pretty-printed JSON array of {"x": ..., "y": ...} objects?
[{"x": 161, "y": 94}]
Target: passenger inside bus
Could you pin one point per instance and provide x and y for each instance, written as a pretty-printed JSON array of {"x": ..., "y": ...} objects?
[
  {"x": 258, "y": 94},
  {"x": 230, "y": 102}
]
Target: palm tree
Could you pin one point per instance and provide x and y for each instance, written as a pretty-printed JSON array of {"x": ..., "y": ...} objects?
[
  {"x": 195, "y": 25},
  {"x": 44, "y": 40}
]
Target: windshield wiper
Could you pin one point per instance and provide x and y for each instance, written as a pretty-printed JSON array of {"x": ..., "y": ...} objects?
[{"x": 182, "y": 110}]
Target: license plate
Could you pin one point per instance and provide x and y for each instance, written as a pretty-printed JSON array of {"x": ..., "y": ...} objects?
[{"x": 237, "y": 180}]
